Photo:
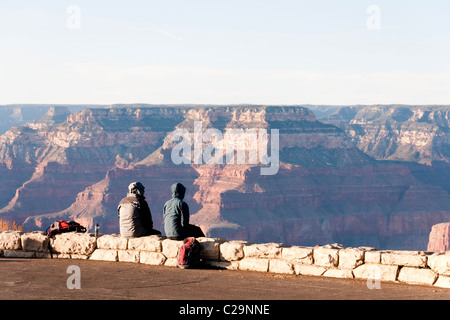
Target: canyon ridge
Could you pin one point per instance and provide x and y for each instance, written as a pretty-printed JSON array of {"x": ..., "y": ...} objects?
[{"x": 356, "y": 175}]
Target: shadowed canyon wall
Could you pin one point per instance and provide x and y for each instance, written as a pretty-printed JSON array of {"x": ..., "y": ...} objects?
[{"x": 330, "y": 186}]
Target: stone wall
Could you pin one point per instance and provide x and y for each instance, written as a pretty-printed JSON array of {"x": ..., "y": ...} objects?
[{"x": 412, "y": 267}]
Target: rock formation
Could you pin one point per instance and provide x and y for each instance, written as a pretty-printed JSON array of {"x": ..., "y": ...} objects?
[
  {"x": 19, "y": 115},
  {"x": 408, "y": 133},
  {"x": 325, "y": 190},
  {"x": 439, "y": 238}
]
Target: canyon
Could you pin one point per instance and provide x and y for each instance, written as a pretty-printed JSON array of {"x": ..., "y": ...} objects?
[
  {"x": 357, "y": 175},
  {"x": 396, "y": 132}
]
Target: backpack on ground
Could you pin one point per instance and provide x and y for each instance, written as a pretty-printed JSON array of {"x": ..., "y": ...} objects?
[
  {"x": 189, "y": 254},
  {"x": 62, "y": 226}
]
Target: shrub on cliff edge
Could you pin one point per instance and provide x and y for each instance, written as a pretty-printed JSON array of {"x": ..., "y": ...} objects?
[{"x": 6, "y": 225}]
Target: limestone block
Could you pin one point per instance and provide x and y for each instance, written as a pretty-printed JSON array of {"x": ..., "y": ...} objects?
[
  {"x": 229, "y": 265},
  {"x": 232, "y": 250},
  {"x": 42, "y": 255},
  {"x": 367, "y": 248},
  {"x": 404, "y": 258},
  {"x": 350, "y": 258},
  {"x": 128, "y": 256},
  {"x": 265, "y": 250},
  {"x": 209, "y": 248},
  {"x": 416, "y": 275},
  {"x": 442, "y": 282},
  {"x": 372, "y": 257},
  {"x": 309, "y": 270},
  {"x": 339, "y": 273},
  {"x": 10, "y": 240},
  {"x": 104, "y": 255},
  {"x": 170, "y": 247},
  {"x": 325, "y": 257},
  {"x": 74, "y": 243},
  {"x": 78, "y": 256},
  {"x": 18, "y": 254},
  {"x": 281, "y": 266},
  {"x": 150, "y": 243},
  {"x": 112, "y": 242},
  {"x": 334, "y": 246},
  {"x": 171, "y": 262},
  {"x": 35, "y": 241},
  {"x": 376, "y": 272},
  {"x": 153, "y": 258},
  {"x": 254, "y": 264},
  {"x": 439, "y": 263},
  {"x": 298, "y": 255}
]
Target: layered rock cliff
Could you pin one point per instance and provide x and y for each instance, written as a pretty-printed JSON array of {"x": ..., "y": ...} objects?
[
  {"x": 325, "y": 189},
  {"x": 49, "y": 164},
  {"x": 408, "y": 133},
  {"x": 19, "y": 115},
  {"x": 439, "y": 240}
]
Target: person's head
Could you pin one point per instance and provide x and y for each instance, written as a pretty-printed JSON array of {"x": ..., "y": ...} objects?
[
  {"x": 178, "y": 190},
  {"x": 136, "y": 188}
]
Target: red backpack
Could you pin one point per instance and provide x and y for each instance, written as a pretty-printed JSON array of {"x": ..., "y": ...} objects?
[
  {"x": 189, "y": 254},
  {"x": 62, "y": 226}
]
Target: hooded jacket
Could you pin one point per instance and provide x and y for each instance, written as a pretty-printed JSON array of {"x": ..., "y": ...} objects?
[
  {"x": 176, "y": 213},
  {"x": 134, "y": 213}
]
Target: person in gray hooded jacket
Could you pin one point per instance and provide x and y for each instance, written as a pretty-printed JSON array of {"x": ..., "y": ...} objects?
[
  {"x": 134, "y": 213},
  {"x": 176, "y": 216}
]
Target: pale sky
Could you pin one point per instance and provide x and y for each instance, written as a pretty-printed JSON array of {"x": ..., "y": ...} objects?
[{"x": 225, "y": 52}]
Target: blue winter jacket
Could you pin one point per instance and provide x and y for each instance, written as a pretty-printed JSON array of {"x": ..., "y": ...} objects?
[{"x": 176, "y": 213}]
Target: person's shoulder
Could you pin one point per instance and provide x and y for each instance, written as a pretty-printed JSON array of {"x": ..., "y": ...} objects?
[
  {"x": 173, "y": 201},
  {"x": 142, "y": 201},
  {"x": 128, "y": 199}
]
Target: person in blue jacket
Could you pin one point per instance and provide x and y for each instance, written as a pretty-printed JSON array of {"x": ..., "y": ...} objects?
[{"x": 176, "y": 216}]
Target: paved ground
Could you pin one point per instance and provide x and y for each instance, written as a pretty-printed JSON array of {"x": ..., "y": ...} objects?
[{"x": 47, "y": 279}]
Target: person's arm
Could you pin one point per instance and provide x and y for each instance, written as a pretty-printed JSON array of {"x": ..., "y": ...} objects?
[
  {"x": 146, "y": 215},
  {"x": 184, "y": 215},
  {"x": 118, "y": 210}
]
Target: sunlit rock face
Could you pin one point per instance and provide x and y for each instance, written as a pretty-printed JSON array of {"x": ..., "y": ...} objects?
[{"x": 325, "y": 189}]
